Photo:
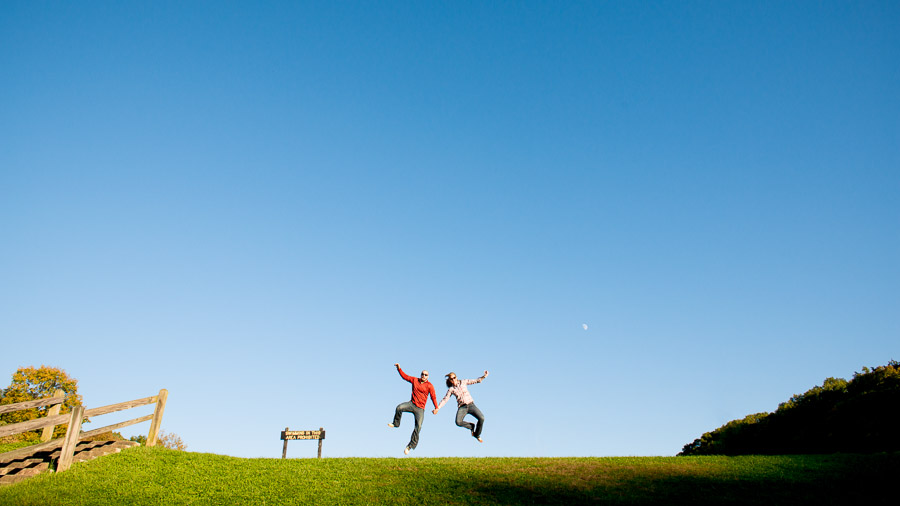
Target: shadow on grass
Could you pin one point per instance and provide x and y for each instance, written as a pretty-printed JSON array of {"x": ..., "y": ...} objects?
[
  {"x": 844, "y": 486},
  {"x": 694, "y": 491}
]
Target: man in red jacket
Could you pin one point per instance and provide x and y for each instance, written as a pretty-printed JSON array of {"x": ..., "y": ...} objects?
[{"x": 421, "y": 388}]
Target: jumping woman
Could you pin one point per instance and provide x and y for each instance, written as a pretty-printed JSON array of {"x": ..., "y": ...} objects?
[{"x": 466, "y": 406}]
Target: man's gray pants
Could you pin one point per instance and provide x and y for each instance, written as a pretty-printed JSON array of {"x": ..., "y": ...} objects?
[{"x": 419, "y": 413}]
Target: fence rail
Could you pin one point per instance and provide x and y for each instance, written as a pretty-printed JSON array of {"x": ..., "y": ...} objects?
[
  {"x": 74, "y": 421},
  {"x": 38, "y": 423},
  {"x": 19, "y": 406}
]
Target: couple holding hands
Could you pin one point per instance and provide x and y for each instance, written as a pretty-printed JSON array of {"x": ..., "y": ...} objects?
[{"x": 422, "y": 388}]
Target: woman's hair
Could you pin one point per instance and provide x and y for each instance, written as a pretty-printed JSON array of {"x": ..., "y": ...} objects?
[{"x": 450, "y": 381}]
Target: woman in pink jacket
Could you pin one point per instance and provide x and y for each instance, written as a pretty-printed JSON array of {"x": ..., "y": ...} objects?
[{"x": 466, "y": 406}]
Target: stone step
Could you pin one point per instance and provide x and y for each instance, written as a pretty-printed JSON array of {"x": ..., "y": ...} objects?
[
  {"x": 18, "y": 466},
  {"x": 12, "y": 478},
  {"x": 23, "y": 468}
]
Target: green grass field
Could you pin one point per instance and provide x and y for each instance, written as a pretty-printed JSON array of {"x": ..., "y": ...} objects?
[
  {"x": 156, "y": 476},
  {"x": 5, "y": 447}
]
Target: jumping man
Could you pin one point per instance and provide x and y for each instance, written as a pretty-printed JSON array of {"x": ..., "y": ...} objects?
[{"x": 421, "y": 389}]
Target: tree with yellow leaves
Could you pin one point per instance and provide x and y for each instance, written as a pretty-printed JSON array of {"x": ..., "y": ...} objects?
[{"x": 30, "y": 383}]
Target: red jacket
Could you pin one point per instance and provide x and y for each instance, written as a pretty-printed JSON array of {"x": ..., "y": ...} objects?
[{"x": 420, "y": 390}]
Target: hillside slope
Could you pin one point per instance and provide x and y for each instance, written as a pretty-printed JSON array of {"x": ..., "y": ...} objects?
[{"x": 156, "y": 476}]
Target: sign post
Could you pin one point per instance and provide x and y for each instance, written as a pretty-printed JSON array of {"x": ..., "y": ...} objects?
[{"x": 289, "y": 435}]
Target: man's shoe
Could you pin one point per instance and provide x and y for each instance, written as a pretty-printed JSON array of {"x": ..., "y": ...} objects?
[
  {"x": 480, "y": 440},
  {"x": 406, "y": 451},
  {"x": 391, "y": 425}
]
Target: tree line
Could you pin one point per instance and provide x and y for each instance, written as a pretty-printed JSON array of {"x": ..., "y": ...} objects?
[{"x": 856, "y": 416}]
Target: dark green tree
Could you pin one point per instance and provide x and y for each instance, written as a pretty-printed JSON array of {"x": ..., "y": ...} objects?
[{"x": 857, "y": 416}]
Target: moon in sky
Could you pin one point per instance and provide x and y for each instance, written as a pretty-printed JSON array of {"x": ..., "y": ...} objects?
[{"x": 584, "y": 325}]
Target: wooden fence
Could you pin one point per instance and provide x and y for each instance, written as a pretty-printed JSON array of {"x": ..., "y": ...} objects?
[{"x": 74, "y": 421}]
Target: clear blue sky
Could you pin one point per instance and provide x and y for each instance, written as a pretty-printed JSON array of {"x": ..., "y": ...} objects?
[{"x": 262, "y": 206}]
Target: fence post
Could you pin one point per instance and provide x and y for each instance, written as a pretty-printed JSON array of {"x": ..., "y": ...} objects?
[
  {"x": 67, "y": 452},
  {"x": 47, "y": 435},
  {"x": 320, "y": 442},
  {"x": 157, "y": 417}
]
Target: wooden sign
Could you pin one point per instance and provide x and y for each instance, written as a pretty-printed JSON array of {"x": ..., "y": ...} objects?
[
  {"x": 289, "y": 435},
  {"x": 302, "y": 434}
]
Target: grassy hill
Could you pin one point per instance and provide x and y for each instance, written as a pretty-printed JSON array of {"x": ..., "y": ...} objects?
[{"x": 156, "y": 476}]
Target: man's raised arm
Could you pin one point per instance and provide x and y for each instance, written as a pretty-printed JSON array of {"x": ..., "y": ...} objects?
[{"x": 403, "y": 374}]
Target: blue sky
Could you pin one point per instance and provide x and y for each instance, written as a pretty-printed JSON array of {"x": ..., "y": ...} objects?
[{"x": 262, "y": 206}]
